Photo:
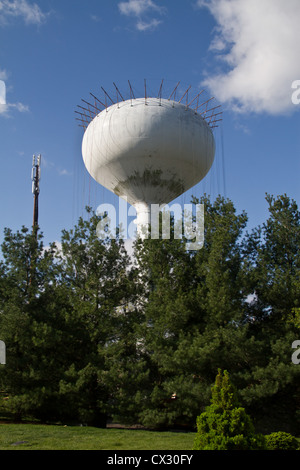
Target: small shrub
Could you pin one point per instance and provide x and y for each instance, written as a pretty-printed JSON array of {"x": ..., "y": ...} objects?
[
  {"x": 225, "y": 425},
  {"x": 281, "y": 441}
]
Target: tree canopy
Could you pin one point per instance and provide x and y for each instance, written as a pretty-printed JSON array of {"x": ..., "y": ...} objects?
[{"x": 93, "y": 334}]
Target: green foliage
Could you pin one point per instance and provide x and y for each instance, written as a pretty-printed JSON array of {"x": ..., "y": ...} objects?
[
  {"x": 275, "y": 256},
  {"x": 294, "y": 317},
  {"x": 58, "y": 308},
  {"x": 281, "y": 441},
  {"x": 272, "y": 262},
  {"x": 194, "y": 302},
  {"x": 92, "y": 334},
  {"x": 225, "y": 425}
]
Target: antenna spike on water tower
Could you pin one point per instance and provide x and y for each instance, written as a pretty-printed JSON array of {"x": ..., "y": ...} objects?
[
  {"x": 196, "y": 98},
  {"x": 211, "y": 109},
  {"x": 160, "y": 89},
  {"x": 85, "y": 109},
  {"x": 186, "y": 91},
  {"x": 84, "y": 123},
  {"x": 118, "y": 92},
  {"x": 131, "y": 91},
  {"x": 97, "y": 99},
  {"x": 145, "y": 85},
  {"x": 174, "y": 92},
  {"x": 93, "y": 106},
  {"x": 85, "y": 119},
  {"x": 202, "y": 104},
  {"x": 106, "y": 94},
  {"x": 213, "y": 115}
]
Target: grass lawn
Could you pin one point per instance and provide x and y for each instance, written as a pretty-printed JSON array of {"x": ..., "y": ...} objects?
[{"x": 40, "y": 437}]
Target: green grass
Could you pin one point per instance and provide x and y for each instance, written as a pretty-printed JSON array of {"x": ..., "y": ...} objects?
[{"x": 40, "y": 437}]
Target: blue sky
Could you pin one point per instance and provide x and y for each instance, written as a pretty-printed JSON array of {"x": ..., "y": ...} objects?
[{"x": 53, "y": 53}]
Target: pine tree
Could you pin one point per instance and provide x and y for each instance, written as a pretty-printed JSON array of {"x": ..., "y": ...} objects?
[
  {"x": 95, "y": 270},
  {"x": 193, "y": 315},
  {"x": 26, "y": 325},
  {"x": 59, "y": 311},
  {"x": 272, "y": 252}
]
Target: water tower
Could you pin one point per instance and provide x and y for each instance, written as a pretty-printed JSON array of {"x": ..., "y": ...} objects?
[{"x": 148, "y": 149}]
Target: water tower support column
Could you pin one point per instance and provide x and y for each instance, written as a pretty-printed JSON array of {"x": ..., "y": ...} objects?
[{"x": 142, "y": 219}]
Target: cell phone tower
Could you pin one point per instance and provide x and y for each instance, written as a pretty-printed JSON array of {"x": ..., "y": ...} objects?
[{"x": 36, "y": 176}]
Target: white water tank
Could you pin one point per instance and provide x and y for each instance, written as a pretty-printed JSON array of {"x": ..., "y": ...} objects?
[{"x": 148, "y": 151}]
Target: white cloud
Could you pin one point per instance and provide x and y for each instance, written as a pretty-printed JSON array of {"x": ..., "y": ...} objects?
[
  {"x": 3, "y": 75},
  {"x": 141, "y": 9},
  {"x": 64, "y": 172},
  {"x": 5, "y": 107},
  {"x": 49, "y": 165},
  {"x": 138, "y": 7},
  {"x": 257, "y": 44},
  {"x": 29, "y": 12},
  {"x": 95, "y": 18},
  {"x": 150, "y": 25},
  {"x": 22, "y": 108}
]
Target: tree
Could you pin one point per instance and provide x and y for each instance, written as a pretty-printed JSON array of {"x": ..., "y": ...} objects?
[
  {"x": 59, "y": 312},
  {"x": 225, "y": 425},
  {"x": 25, "y": 323},
  {"x": 91, "y": 333},
  {"x": 275, "y": 263},
  {"x": 95, "y": 270},
  {"x": 167, "y": 278},
  {"x": 193, "y": 315},
  {"x": 220, "y": 291},
  {"x": 272, "y": 263}
]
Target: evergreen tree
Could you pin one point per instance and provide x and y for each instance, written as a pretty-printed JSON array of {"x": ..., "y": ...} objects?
[
  {"x": 89, "y": 334},
  {"x": 193, "y": 315},
  {"x": 95, "y": 271},
  {"x": 275, "y": 263},
  {"x": 25, "y": 323},
  {"x": 272, "y": 264},
  {"x": 59, "y": 311},
  {"x": 166, "y": 298},
  {"x": 225, "y": 425}
]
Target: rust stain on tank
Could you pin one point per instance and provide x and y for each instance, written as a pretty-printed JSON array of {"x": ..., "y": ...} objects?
[{"x": 150, "y": 178}]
